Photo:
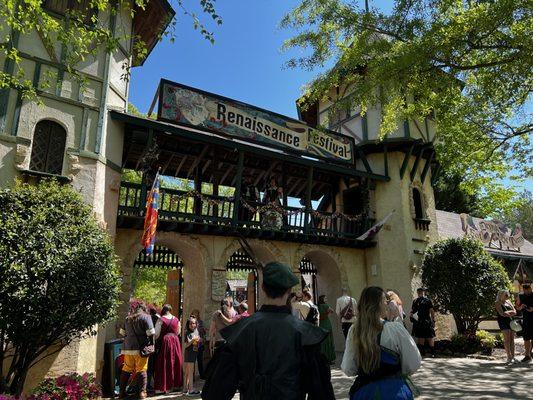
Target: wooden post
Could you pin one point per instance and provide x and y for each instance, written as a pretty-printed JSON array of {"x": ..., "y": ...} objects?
[
  {"x": 238, "y": 183},
  {"x": 308, "y": 205},
  {"x": 198, "y": 188}
]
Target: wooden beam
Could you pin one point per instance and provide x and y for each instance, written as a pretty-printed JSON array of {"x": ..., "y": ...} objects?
[
  {"x": 164, "y": 169},
  {"x": 266, "y": 172},
  {"x": 426, "y": 166},
  {"x": 147, "y": 147},
  {"x": 415, "y": 165},
  {"x": 205, "y": 166},
  {"x": 197, "y": 160},
  {"x": 237, "y": 204},
  {"x": 362, "y": 156},
  {"x": 435, "y": 174},
  {"x": 406, "y": 160},
  {"x": 226, "y": 175},
  {"x": 308, "y": 199},
  {"x": 180, "y": 165}
]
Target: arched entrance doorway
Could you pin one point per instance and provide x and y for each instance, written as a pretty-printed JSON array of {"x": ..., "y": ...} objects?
[
  {"x": 321, "y": 274},
  {"x": 158, "y": 279},
  {"x": 241, "y": 279}
]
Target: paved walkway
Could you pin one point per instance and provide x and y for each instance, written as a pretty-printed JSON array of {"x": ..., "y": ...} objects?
[{"x": 452, "y": 378}]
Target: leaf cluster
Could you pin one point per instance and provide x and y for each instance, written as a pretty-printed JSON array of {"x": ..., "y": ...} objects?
[{"x": 467, "y": 64}]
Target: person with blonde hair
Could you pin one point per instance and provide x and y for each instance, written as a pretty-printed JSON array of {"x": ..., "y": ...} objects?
[
  {"x": 505, "y": 309},
  {"x": 379, "y": 352},
  {"x": 394, "y": 307}
]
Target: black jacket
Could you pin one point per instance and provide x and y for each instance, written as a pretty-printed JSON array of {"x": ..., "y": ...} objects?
[{"x": 270, "y": 356}]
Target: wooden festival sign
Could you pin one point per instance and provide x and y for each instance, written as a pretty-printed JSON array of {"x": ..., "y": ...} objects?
[{"x": 185, "y": 105}]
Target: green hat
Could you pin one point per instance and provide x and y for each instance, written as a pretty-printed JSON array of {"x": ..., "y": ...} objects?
[{"x": 279, "y": 275}]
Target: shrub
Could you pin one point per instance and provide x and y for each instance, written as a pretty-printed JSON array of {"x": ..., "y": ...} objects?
[
  {"x": 482, "y": 341},
  {"x": 498, "y": 341},
  {"x": 67, "y": 387},
  {"x": 463, "y": 279},
  {"x": 58, "y": 275}
]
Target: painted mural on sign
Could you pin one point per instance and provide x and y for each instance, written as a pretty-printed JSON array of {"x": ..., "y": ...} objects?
[
  {"x": 184, "y": 105},
  {"x": 493, "y": 233}
]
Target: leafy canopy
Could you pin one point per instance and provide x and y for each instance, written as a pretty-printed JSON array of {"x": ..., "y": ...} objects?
[
  {"x": 58, "y": 275},
  {"x": 469, "y": 61},
  {"x": 81, "y": 34},
  {"x": 463, "y": 279}
]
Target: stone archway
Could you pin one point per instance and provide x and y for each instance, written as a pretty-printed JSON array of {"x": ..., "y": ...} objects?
[
  {"x": 195, "y": 260},
  {"x": 329, "y": 282}
]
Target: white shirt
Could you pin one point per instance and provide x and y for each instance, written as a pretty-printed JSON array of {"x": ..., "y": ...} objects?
[
  {"x": 342, "y": 302},
  {"x": 301, "y": 309},
  {"x": 393, "y": 337}
]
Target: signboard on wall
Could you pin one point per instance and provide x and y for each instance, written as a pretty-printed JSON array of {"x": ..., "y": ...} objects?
[
  {"x": 185, "y": 105},
  {"x": 493, "y": 233}
]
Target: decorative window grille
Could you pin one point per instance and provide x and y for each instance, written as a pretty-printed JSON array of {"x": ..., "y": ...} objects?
[{"x": 48, "y": 147}]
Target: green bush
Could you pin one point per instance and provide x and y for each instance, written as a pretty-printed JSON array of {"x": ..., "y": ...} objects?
[
  {"x": 463, "y": 279},
  {"x": 58, "y": 275},
  {"x": 482, "y": 342},
  {"x": 498, "y": 341}
]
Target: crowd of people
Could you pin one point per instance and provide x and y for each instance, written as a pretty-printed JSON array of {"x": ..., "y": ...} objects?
[{"x": 285, "y": 349}]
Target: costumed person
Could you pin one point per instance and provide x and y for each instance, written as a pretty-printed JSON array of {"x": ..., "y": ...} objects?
[
  {"x": 169, "y": 360},
  {"x": 346, "y": 308},
  {"x": 250, "y": 194},
  {"x": 154, "y": 314},
  {"x": 203, "y": 335},
  {"x": 242, "y": 310},
  {"x": 423, "y": 318},
  {"x": 192, "y": 342},
  {"x": 313, "y": 315},
  {"x": 327, "y": 346},
  {"x": 138, "y": 331},
  {"x": 271, "y": 218},
  {"x": 271, "y": 354},
  {"x": 395, "y": 311},
  {"x": 379, "y": 352},
  {"x": 525, "y": 304},
  {"x": 299, "y": 307},
  {"x": 221, "y": 318},
  {"x": 506, "y": 311}
]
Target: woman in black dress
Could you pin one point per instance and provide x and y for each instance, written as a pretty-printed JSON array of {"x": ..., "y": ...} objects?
[{"x": 506, "y": 310}]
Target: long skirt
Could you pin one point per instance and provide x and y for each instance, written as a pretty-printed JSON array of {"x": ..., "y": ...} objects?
[{"x": 168, "y": 365}]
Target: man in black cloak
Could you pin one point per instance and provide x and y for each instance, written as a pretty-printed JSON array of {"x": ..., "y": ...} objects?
[{"x": 271, "y": 355}]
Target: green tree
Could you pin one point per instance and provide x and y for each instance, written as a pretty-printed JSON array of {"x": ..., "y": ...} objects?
[
  {"x": 80, "y": 34},
  {"x": 150, "y": 285},
  {"x": 522, "y": 214},
  {"x": 468, "y": 63},
  {"x": 463, "y": 280},
  {"x": 58, "y": 276}
]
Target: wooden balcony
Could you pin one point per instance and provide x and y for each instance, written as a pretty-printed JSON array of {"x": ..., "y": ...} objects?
[{"x": 184, "y": 212}]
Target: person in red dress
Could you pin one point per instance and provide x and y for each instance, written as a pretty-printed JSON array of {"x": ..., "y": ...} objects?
[{"x": 169, "y": 361}]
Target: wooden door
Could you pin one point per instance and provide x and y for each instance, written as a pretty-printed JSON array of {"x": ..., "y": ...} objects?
[
  {"x": 250, "y": 295},
  {"x": 173, "y": 296}
]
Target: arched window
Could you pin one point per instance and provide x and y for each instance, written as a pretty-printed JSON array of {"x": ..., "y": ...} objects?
[
  {"x": 417, "y": 200},
  {"x": 48, "y": 147}
]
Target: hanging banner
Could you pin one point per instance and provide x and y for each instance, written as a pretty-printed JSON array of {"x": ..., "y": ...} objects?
[{"x": 185, "y": 105}]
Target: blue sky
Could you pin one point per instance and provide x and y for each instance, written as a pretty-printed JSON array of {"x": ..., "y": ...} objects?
[{"x": 245, "y": 63}]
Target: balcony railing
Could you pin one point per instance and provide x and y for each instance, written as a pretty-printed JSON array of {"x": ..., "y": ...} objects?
[{"x": 218, "y": 212}]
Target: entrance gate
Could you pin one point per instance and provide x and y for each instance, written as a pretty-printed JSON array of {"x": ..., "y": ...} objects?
[
  {"x": 245, "y": 286},
  {"x": 164, "y": 258}
]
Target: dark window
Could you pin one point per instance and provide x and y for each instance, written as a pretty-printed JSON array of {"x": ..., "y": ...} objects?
[
  {"x": 74, "y": 7},
  {"x": 48, "y": 148},
  {"x": 417, "y": 199},
  {"x": 354, "y": 201}
]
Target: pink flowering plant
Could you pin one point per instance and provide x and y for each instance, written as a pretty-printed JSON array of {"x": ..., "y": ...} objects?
[{"x": 67, "y": 387}]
